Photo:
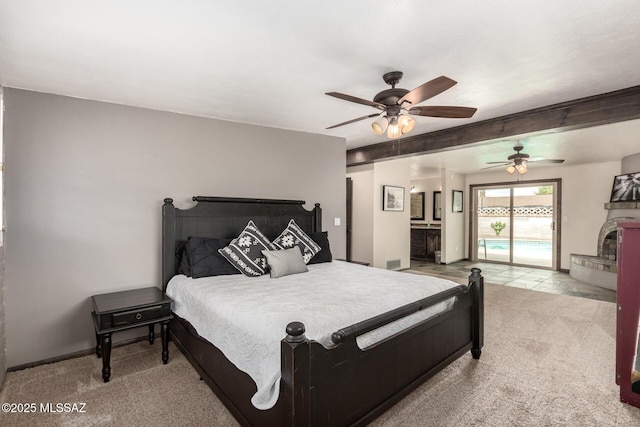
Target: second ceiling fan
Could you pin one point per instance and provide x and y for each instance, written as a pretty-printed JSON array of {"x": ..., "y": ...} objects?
[
  {"x": 396, "y": 105},
  {"x": 518, "y": 162}
]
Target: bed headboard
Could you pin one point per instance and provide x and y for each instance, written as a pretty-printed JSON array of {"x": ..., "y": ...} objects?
[{"x": 226, "y": 217}]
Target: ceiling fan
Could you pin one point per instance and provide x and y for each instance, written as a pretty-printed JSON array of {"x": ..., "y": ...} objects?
[
  {"x": 518, "y": 162},
  {"x": 395, "y": 105}
]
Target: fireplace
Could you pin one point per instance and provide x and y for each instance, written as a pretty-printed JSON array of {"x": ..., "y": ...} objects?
[
  {"x": 609, "y": 248},
  {"x": 608, "y": 238},
  {"x": 601, "y": 270}
]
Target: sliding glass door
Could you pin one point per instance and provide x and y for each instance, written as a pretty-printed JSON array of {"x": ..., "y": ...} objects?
[
  {"x": 516, "y": 223},
  {"x": 533, "y": 228}
]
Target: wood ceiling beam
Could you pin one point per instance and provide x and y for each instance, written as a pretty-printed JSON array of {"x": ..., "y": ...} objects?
[{"x": 595, "y": 110}]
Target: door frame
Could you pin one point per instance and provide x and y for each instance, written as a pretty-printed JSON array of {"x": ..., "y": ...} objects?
[
  {"x": 473, "y": 256},
  {"x": 349, "y": 216}
]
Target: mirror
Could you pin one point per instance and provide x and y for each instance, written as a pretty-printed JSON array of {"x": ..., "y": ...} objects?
[
  {"x": 417, "y": 206},
  {"x": 437, "y": 211}
]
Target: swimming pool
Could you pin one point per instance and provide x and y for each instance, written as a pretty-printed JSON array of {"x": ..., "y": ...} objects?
[
  {"x": 518, "y": 245},
  {"x": 525, "y": 252}
]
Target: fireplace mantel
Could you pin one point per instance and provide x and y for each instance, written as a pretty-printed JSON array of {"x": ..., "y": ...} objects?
[{"x": 621, "y": 205}]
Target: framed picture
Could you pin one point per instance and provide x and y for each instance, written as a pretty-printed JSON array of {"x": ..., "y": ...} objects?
[
  {"x": 457, "y": 201},
  {"x": 437, "y": 209},
  {"x": 392, "y": 198},
  {"x": 417, "y": 206},
  {"x": 626, "y": 188}
]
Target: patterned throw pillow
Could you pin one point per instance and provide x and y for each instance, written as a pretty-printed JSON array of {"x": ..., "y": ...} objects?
[
  {"x": 245, "y": 251},
  {"x": 294, "y": 236}
]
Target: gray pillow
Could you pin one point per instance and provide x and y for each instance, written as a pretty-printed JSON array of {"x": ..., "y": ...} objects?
[{"x": 285, "y": 262}]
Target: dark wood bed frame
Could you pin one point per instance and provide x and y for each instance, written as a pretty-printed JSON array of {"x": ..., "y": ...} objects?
[{"x": 343, "y": 385}]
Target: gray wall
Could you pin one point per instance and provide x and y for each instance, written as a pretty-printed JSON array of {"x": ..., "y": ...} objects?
[
  {"x": 84, "y": 187},
  {"x": 3, "y": 354}
]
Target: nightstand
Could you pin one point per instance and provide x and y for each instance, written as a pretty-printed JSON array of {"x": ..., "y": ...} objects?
[{"x": 118, "y": 311}]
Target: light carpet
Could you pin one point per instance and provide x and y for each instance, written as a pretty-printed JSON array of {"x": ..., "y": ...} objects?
[{"x": 548, "y": 360}]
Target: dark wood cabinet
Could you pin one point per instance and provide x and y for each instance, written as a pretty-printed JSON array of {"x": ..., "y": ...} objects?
[
  {"x": 424, "y": 243},
  {"x": 433, "y": 242}
]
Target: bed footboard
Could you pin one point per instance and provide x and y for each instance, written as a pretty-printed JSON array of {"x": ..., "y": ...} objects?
[{"x": 346, "y": 385}]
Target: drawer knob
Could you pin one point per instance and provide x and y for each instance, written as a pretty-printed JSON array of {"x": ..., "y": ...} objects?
[{"x": 138, "y": 316}]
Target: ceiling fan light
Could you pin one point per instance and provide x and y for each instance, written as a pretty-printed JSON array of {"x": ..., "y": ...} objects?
[
  {"x": 521, "y": 168},
  {"x": 394, "y": 131},
  {"x": 510, "y": 169},
  {"x": 406, "y": 123},
  {"x": 380, "y": 125}
]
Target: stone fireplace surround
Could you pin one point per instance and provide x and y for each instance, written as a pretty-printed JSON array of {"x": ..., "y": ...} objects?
[{"x": 601, "y": 270}]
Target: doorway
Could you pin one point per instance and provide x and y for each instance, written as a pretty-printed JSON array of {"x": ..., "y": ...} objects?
[
  {"x": 349, "y": 218},
  {"x": 516, "y": 223}
]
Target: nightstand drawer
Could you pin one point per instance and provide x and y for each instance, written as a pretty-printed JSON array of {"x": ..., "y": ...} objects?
[
  {"x": 135, "y": 316},
  {"x": 128, "y": 309}
]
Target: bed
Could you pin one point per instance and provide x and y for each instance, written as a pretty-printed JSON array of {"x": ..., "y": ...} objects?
[{"x": 318, "y": 386}]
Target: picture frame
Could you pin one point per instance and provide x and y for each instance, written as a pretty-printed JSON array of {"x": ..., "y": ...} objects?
[
  {"x": 417, "y": 206},
  {"x": 437, "y": 205},
  {"x": 626, "y": 188},
  {"x": 392, "y": 198},
  {"x": 457, "y": 201}
]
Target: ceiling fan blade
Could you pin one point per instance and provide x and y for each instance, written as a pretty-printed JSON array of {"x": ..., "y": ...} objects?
[
  {"x": 428, "y": 90},
  {"x": 444, "y": 111},
  {"x": 354, "y": 120},
  {"x": 543, "y": 160},
  {"x": 356, "y": 100},
  {"x": 497, "y": 163}
]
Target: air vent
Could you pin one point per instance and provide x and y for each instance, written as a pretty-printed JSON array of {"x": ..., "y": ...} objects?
[{"x": 393, "y": 264}]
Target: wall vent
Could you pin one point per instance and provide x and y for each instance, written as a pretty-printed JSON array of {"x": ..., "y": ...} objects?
[{"x": 393, "y": 264}]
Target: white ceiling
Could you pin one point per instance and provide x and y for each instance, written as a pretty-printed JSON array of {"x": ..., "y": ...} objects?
[{"x": 270, "y": 62}]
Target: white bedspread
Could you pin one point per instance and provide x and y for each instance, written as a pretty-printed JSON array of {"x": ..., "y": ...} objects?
[{"x": 246, "y": 317}]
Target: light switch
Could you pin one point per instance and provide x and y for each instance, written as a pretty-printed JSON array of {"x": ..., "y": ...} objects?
[{"x": 336, "y": 221}]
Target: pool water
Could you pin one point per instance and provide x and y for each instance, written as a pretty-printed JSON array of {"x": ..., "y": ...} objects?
[
  {"x": 519, "y": 245},
  {"x": 537, "y": 253}
]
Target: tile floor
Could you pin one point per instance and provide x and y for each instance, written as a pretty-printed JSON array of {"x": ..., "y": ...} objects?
[{"x": 536, "y": 279}]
